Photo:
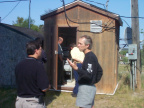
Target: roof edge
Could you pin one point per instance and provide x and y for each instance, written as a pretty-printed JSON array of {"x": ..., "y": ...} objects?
[
  {"x": 79, "y": 3},
  {"x": 6, "y": 26}
]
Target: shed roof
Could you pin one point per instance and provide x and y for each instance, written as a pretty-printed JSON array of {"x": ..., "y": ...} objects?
[
  {"x": 84, "y": 5},
  {"x": 23, "y": 31}
]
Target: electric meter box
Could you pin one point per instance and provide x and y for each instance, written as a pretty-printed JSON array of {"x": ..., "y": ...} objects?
[{"x": 132, "y": 52}]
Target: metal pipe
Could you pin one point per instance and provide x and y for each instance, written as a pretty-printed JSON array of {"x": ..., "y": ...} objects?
[
  {"x": 29, "y": 12},
  {"x": 133, "y": 76}
]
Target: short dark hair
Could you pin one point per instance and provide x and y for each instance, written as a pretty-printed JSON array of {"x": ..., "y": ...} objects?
[
  {"x": 72, "y": 45},
  {"x": 88, "y": 41},
  {"x": 40, "y": 41},
  {"x": 31, "y": 46}
]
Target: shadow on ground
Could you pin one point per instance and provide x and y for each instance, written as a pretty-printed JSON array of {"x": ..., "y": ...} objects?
[{"x": 50, "y": 96}]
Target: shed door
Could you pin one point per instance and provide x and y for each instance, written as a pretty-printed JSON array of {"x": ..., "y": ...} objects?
[{"x": 54, "y": 48}]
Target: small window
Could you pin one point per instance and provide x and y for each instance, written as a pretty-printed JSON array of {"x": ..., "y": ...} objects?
[{"x": 96, "y": 25}]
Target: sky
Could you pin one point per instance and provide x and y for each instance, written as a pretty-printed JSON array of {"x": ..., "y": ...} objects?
[{"x": 39, "y": 7}]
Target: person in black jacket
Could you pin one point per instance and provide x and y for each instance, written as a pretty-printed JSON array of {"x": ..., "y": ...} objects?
[
  {"x": 31, "y": 79},
  {"x": 87, "y": 74}
]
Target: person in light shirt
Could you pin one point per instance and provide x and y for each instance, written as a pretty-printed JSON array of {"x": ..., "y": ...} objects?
[{"x": 77, "y": 56}]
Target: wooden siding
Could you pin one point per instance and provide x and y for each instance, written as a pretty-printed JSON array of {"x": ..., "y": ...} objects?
[{"x": 105, "y": 44}]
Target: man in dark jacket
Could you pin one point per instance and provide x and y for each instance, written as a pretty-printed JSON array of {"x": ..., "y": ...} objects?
[
  {"x": 87, "y": 74},
  {"x": 31, "y": 79}
]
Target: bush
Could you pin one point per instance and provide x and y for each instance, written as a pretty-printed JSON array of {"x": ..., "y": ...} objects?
[{"x": 125, "y": 59}]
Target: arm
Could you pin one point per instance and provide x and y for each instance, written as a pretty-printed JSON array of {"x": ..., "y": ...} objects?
[
  {"x": 44, "y": 90},
  {"x": 89, "y": 68},
  {"x": 60, "y": 53},
  {"x": 42, "y": 78},
  {"x": 60, "y": 57},
  {"x": 73, "y": 64}
]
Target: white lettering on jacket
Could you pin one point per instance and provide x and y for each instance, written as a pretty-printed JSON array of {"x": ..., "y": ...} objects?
[{"x": 89, "y": 69}]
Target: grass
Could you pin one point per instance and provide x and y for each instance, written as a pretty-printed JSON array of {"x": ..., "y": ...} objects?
[
  {"x": 7, "y": 97},
  {"x": 123, "y": 98}
]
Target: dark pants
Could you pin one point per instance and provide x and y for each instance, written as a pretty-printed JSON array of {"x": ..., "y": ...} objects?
[
  {"x": 60, "y": 72},
  {"x": 75, "y": 90}
]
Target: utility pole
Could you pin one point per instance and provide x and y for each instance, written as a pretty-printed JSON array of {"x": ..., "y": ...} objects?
[
  {"x": 135, "y": 39},
  {"x": 29, "y": 13}
]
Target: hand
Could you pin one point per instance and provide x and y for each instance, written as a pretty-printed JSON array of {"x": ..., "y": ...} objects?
[
  {"x": 73, "y": 65},
  {"x": 77, "y": 60},
  {"x": 47, "y": 88}
]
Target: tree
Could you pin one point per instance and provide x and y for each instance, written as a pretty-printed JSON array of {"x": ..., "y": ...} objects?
[
  {"x": 48, "y": 11},
  {"x": 125, "y": 59},
  {"x": 21, "y": 22},
  {"x": 123, "y": 52}
]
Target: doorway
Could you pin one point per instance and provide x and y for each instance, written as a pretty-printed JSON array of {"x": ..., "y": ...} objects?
[{"x": 69, "y": 36}]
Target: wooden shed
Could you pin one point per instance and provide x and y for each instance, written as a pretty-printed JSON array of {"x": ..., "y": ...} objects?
[
  {"x": 74, "y": 20},
  {"x": 13, "y": 40}
]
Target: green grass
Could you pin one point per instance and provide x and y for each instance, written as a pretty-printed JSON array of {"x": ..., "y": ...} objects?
[
  {"x": 7, "y": 97},
  {"x": 123, "y": 98}
]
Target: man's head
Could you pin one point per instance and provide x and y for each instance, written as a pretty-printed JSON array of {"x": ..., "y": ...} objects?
[
  {"x": 85, "y": 42},
  {"x": 60, "y": 40},
  {"x": 72, "y": 45},
  {"x": 33, "y": 49}
]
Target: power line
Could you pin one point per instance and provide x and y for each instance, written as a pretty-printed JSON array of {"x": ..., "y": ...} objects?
[
  {"x": 12, "y": 1},
  {"x": 97, "y": 3},
  {"x": 126, "y": 22},
  {"x": 105, "y": 28},
  {"x": 11, "y": 10},
  {"x": 67, "y": 18},
  {"x": 132, "y": 17}
]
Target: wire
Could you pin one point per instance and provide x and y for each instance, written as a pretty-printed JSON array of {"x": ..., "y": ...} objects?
[
  {"x": 67, "y": 18},
  {"x": 104, "y": 27},
  {"x": 74, "y": 21},
  {"x": 12, "y": 1},
  {"x": 126, "y": 22},
  {"x": 97, "y": 3},
  {"x": 125, "y": 39},
  {"x": 132, "y": 17},
  {"x": 65, "y": 14},
  {"x": 11, "y": 10}
]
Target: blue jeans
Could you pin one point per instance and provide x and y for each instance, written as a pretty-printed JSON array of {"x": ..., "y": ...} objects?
[{"x": 75, "y": 90}]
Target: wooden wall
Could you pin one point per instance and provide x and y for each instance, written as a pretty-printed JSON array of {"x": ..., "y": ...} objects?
[{"x": 105, "y": 44}]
